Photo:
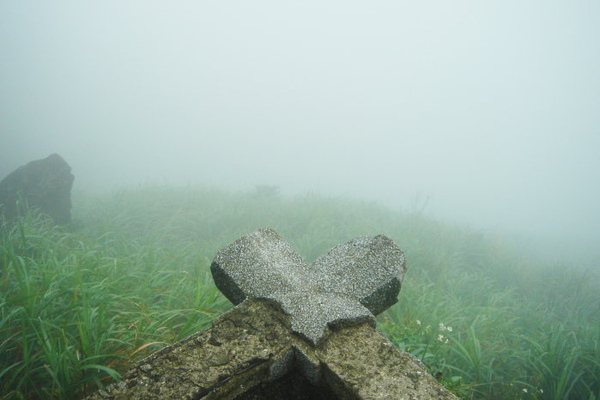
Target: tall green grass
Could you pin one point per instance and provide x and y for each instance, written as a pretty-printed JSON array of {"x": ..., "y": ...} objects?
[
  {"x": 75, "y": 308},
  {"x": 79, "y": 304}
]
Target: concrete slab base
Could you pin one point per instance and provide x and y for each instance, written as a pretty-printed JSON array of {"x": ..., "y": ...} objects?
[{"x": 251, "y": 353}]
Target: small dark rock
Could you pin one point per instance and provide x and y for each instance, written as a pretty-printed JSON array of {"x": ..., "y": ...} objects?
[{"x": 42, "y": 184}]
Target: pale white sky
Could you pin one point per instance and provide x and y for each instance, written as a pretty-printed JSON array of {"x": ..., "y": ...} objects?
[{"x": 489, "y": 108}]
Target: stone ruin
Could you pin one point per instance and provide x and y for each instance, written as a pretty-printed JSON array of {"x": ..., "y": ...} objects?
[
  {"x": 42, "y": 184},
  {"x": 298, "y": 331}
]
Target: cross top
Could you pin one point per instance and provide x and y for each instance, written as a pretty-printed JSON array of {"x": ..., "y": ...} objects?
[{"x": 351, "y": 284}]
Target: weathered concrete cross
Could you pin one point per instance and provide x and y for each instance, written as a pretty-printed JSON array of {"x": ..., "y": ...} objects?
[
  {"x": 283, "y": 339},
  {"x": 348, "y": 285}
]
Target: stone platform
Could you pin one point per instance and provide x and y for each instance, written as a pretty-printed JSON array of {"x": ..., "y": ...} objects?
[{"x": 298, "y": 331}]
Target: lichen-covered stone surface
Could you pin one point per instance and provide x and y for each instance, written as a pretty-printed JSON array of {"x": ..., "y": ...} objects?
[{"x": 251, "y": 353}]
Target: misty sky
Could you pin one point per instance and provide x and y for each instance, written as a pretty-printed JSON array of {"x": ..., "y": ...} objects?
[{"x": 490, "y": 109}]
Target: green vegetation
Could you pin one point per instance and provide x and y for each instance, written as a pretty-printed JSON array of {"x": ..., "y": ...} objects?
[{"x": 79, "y": 304}]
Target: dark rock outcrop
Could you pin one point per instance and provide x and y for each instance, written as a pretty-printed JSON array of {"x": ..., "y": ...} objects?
[{"x": 42, "y": 184}]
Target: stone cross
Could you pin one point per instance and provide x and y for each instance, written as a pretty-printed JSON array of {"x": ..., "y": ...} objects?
[
  {"x": 347, "y": 286},
  {"x": 298, "y": 331}
]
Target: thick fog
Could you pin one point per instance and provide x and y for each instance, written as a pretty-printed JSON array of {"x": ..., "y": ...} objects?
[{"x": 486, "y": 113}]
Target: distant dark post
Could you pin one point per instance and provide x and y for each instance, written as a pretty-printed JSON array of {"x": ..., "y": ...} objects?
[{"x": 299, "y": 331}]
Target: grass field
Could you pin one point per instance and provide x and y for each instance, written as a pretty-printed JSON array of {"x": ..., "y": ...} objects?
[{"x": 79, "y": 304}]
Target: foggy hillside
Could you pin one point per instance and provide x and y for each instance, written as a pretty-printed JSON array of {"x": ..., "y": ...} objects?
[{"x": 483, "y": 113}]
